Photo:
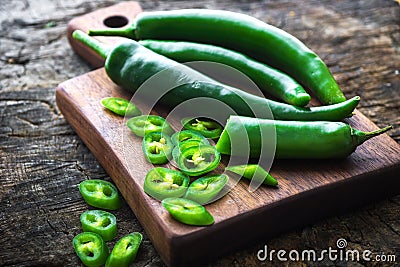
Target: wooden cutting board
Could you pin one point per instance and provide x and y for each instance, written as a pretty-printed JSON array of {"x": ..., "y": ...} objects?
[{"x": 308, "y": 189}]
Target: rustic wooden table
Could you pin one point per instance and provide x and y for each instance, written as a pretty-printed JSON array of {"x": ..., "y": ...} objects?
[{"x": 43, "y": 160}]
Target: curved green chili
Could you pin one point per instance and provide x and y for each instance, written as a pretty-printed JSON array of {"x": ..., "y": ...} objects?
[
  {"x": 269, "y": 80},
  {"x": 294, "y": 139},
  {"x": 130, "y": 65},
  {"x": 241, "y": 33}
]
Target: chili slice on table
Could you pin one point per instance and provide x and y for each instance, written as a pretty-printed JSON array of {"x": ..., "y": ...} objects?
[
  {"x": 162, "y": 183},
  {"x": 198, "y": 160},
  {"x": 204, "y": 126},
  {"x": 100, "y": 194},
  {"x": 90, "y": 248},
  {"x": 120, "y": 106},
  {"x": 125, "y": 250},
  {"x": 253, "y": 171},
  {"x": 188, "y": 211},
  {"x": 157, "y": 147},
  {"x": 205, "y": 189},
  {"x": 187, "y": 135},
  {"x": 185, "y": 144},
  {"x": 100, "y": 222},
  {"x": 144, "y": 124}
]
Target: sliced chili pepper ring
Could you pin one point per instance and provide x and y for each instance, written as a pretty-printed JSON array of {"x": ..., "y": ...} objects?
[
  {"x": 144, "y": 124},
  {"x": 253, "y": 171},
  {"x": 100, "y": 222},
  {"x": 125, "y": 250},
  {"x": 100, "y": 194},
  {"x": 204, "y": 126},
  {"x": 188, "y": 211},
  {"x": 162, "y": 183},
  {"x": 187, "y": 135},
  {"x": 90, "y": 248},
  {"x": 205, "y": 189},
  {"x": 198, "y": 160},
  {"x": 120, "y": 106},
  {"x": 157, "y": 147}
]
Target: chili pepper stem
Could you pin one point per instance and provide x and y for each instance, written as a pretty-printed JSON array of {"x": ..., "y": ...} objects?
[
  {"x": 364, "y": 136},
  {"x": 97, "y": 46},
  {"x": 129, "y": 32}
]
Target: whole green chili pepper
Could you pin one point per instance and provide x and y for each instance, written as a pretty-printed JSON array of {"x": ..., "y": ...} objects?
[
  {"x": 294, "y": 139},
  {"x": 157, "y": 147},
  {"x": 241, "y": 33},
  {"x": 162, "y": 182},
  {"x": 100, "y": 222},
  {"x": 269, "y": 80},
  {"x": 91, "y": 248},
  {"x": 205, "y": 189},
  {"x": 130, "y": 65},
  {"x": 125, "y": 250},
  {"x": 253, "y": 171},
  {"x": 100, "y": 194},
  {"x": 188, "y": 211}
]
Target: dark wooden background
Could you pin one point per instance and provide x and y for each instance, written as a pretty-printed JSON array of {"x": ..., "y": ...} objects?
[{"x": 42, "y": 160}]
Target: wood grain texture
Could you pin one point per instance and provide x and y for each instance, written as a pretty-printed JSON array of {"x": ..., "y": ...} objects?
[
  {"x": 42, "y": 160},
  {"x": 308, "y": 190}
]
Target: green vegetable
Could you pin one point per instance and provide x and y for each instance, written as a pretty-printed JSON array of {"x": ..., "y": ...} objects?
[
  {"x": 90, "y": 248},
  {"x": 144, "y": 124},
  {"x": 187, "y": 135},
  {"x": 120, "y": 106},
  {"x": 203, "y": 190},
  {"x": 184, "y": 145},
  {"x": 100, "y": 194},
  {"x": 99, "y": 222},
  {"x": 162, "y": 183},
  {"x": 268, "y": 79},
  {"x": 157, "y": 147},
  {"x": 294, "y": 139},
  {"x": 204, "y": 126},
  {"x": 198, "y": 160},
  {"x": 124, "y": 251},
  {"x": 129, "y": 65},
  {"x": 253, "y": 171},
  {"x": 187, "y": 211},
  {"x": 241, "y": 33}
]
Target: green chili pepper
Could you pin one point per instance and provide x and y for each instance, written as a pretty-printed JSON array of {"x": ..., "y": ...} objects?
[
  {"x": 204, "y": 126},
  {"x": 204, "y": 190},
  {"x": 100, "y": 194},
  {"x": 144, "y": 124},
  {"x": 187, "y": 135},
  {"x": 129, "y": 65},
  {"x": 157, "y": 147},
  {"x": 120, "y": 106},
  {"x": 161, "y": 183},
  {"x": 241, "y": 33},
  {"x": 269, "y": 80},
  {"x": 100, "y": 222},
  {"x": 90, "y": 248},
  {"x": 184, "y": 145},
  {"x": 253, "y": 171},
  {"x": 124, "y": 251},
  {"x": 198, "y": 160},
  {"x": 187, "y": 211},
  {"x": 294, "y": 139}
]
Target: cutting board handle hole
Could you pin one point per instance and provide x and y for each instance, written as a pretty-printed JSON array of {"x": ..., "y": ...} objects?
[{"x": 116, "y": 21}]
